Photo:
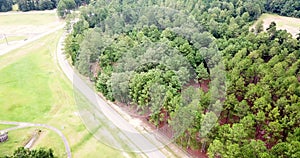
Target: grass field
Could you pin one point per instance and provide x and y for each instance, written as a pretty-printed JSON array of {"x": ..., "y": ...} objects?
[
  {"x": 292, "y": 25},
  {"x": 27, "y": 19},
  {"x": 22, "y": 136},
  {"x": 5, "y": 126},
  {"x": 16, "y": 138},
  {"x": 12, "y": 39},
  {"x": 34, "y": 89},
  {"x": 18, "y": 26}
]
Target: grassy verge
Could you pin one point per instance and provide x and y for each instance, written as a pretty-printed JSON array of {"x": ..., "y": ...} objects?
[
  {"x": 12, "y": 39},
  {"x": 33, "y": 89},
  {"x": 2, "y": 127}
]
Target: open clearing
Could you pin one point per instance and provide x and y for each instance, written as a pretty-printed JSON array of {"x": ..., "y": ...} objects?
[
  {"x": 33, "y": 89},
  {"x": 18, "y": 27},
  {"x": 292, "y": 25}
]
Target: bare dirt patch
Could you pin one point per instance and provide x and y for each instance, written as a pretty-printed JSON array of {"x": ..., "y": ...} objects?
[{"x": 291, "y": 25}]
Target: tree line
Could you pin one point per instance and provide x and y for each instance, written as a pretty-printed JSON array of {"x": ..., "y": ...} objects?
[
  {"x": 284, "y": 7},
  {"x": 22, "y": 152},
  {"x": 195, "y": 68},
  {"x": 27, "y": 5}
]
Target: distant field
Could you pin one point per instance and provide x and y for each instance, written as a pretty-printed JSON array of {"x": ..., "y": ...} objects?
[
  {"x": 16, "y": 22},
  {"x": 17, "y": 26},
  {"x": 34, "y": 89},
  {"x": 292, "y": 25},
  {"x": 27, "y": 19}
]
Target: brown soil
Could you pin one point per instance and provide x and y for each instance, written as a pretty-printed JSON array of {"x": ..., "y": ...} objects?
[
  {"x": 197, "y": 153},
  {"x": 205, "y": 85}
]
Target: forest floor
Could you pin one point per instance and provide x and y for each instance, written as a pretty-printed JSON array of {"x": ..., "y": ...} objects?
[
  {"x": 34, "y": 89},
  {"x": 292, "y": 25}
]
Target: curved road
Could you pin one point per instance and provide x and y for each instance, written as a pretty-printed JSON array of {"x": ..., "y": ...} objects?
[
  {"x": 27, "y": 124},
  {"x": 144, "y": 142}
]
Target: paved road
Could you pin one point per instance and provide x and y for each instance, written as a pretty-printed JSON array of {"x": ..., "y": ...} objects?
[
  {"x": 140, "y": 142},
  {"x": 145, "y": 143},
  {"x": 27, "y": 124}
]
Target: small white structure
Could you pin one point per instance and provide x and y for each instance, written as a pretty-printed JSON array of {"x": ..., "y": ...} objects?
[{"x": 3, "y": 136}]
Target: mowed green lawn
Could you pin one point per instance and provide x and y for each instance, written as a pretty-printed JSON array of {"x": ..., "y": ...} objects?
[
  {"x": 25, "y": 94},
  {"x": 34, "y": 89}
]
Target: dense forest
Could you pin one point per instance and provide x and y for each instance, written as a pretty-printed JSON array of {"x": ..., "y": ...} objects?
[
  {"x": 195, "y": 69},
  {"x": 27, "y": 5},
  {"x": 284, "y": 7}
]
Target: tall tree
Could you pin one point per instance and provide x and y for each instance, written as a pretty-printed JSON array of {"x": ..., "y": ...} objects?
[
  {"x": 64, "y": 7},
  {"x": 6, "y": 5}
]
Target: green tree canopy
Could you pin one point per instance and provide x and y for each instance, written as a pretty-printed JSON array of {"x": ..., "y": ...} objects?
[
  {"x": 21, "y": 152},
  {"x": 64, "y": 7}
]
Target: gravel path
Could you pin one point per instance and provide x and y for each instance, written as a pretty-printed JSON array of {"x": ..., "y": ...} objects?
[{"x": 27, "y": 124}]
